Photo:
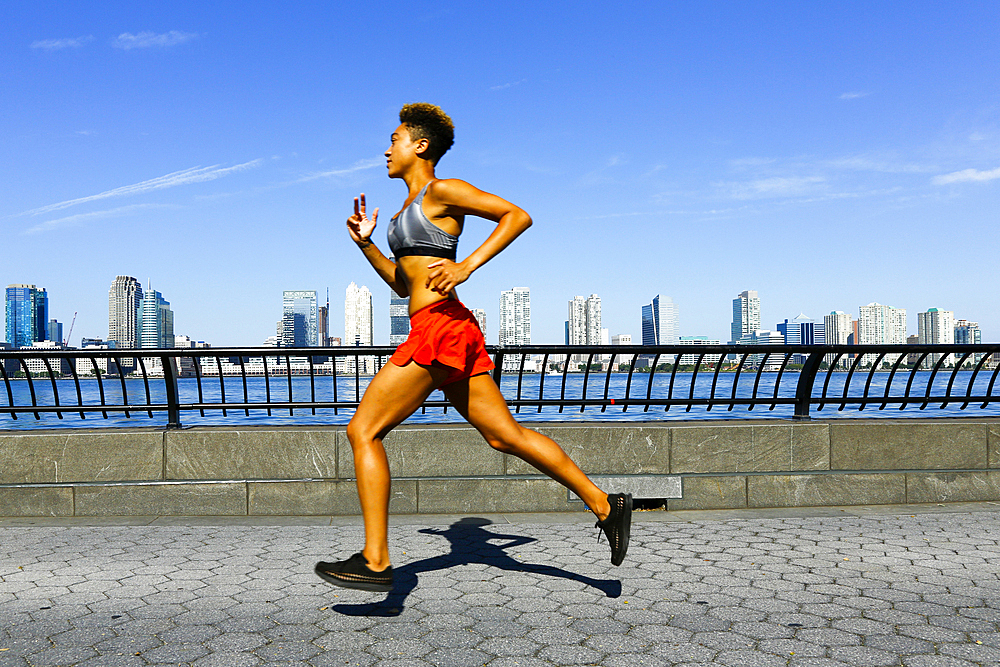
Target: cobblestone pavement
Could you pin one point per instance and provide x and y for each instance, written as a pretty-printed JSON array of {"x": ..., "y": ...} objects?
[{"x": 914, "y": 586}]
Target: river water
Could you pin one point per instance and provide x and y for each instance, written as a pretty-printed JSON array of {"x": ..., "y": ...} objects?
[{"x": 551, "y": 388}]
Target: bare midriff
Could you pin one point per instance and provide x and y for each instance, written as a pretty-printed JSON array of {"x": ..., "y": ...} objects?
[{"x": 414, "y": 270}]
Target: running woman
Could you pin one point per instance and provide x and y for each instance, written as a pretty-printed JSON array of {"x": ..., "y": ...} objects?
[{"x": 445, "y": 349}]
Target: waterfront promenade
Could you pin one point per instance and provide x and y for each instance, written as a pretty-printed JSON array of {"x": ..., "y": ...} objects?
[{"x": 807, "y": 587}]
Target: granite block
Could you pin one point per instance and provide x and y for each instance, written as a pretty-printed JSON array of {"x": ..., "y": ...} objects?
[
  {"x": 711, "y": 493},
  {"x": 219, "y": 499},
  {"x": 36, "y": 501},
  {"x": 431, "y": 451},
  {"x": 81, "y": 456},
  {"x": 322, "y": 498},
  {"x": 251, "y": 453},
  {"x": 952, "y": 487},
  {"x": 699, "y": 449},
  {"x": 775, "y": 447},
  {"x": 993, "y": 437},
  {"x": 830, "y": 489},
  {"x": 454, "y": 496},
  {"x": 896, "y": 445},
  {"x": 607, "y": 450}
]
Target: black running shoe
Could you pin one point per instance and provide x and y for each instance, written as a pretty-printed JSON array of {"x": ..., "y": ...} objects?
[
  {"x": 354, "y": 573},
  {"x": 617, "y": 525}
]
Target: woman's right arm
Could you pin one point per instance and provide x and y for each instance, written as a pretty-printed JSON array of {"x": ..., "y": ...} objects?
[{"x": 360, "y": 228}]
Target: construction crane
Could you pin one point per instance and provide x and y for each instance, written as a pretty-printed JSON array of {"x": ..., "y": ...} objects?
[{"x": 70, "y": 334}]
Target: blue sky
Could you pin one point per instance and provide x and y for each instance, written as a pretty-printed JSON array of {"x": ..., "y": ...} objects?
[{"x": 825, "y": 154}]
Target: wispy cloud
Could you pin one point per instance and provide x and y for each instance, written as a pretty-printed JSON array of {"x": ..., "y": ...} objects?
[
  {"x": 357, "y": 166},
  {"x": 57, "y": 44},
  {"x": 508, "y": 85},
  {"x": 967, "y": 175},
  {"x": 79, "y": 218},
  {"x": 852, "y": 95},
  {"x": 144, "y": 40},
  {"x": 184, "y": 177},
  {"x": 777, "y": 186}
]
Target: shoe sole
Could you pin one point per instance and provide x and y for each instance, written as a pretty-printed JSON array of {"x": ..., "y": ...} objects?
[
  {"x": 355, "y": 585},
  {"x": 626, "y": 530}
]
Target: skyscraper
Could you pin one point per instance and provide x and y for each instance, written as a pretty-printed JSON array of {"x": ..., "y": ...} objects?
[
  {"x": 399, "y": 318},
  {"x": 803, "y": 331},
  {"x": 124, "y": 297},
  {"x": 659, "y": 322},
  {"x": 838, "y": 329},
  {"x": 576, "y": 322},
  {"x": 967, "y": 333},
  {"x": 54, "y": 331},
  {"x": 27, "y": 309},
  {"x": 881, "y": 325},
  {"x": 300, "y": 319},
  {"x": 358, "y": 325},
  {"x": 156, "y": 321},
  {"x": 933, "y": 328},
  {"x": 358, "y": 316},
  {"x": 480, "y": 319},
  {"x": 515, "y": 316},
  {"x": 323, "y": 324},
  {"x": 746, "y": 315}
]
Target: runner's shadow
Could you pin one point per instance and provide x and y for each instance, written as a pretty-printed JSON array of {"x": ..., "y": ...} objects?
[{"x": 470, "y": 543}]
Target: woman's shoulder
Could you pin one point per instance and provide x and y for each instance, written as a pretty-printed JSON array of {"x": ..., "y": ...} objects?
[{"x": 449, "y": 189}]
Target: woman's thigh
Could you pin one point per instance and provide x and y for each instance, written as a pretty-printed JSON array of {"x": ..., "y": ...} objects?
[
  {"x": 393, "y": 395},
  {"x": 479, "y": 400}
]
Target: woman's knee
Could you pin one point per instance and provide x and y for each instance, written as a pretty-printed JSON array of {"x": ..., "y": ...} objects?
[
  {"x": 360, "y": 434},
  {"x": 508, "y": 441}
]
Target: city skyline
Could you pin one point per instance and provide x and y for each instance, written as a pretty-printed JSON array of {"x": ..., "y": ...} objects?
[
  {"x": 875, "y": 323},
  {"x": 810, "y": 152}
]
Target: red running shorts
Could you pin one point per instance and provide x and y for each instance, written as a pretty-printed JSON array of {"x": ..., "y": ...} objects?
[{"x": 445, "y": 333}]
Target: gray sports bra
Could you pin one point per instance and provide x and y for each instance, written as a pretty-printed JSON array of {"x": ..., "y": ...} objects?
[{"x": 411, "y": 233}]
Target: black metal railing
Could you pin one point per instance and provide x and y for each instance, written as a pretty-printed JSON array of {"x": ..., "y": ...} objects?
[{"x": 175, "y": 382}]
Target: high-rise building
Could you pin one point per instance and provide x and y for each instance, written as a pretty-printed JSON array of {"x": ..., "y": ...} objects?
[
  {"x": 358, "y": 326},
  {"x": 323, "y": 322},
  {"x": 691, "y": 359},
  {"x": 576, "y": 322},
  {"x": 838, "y": 329},
  {"x": 156, "y": 321},
  {"x": 881, "y": 325},
  {"x": 933, "y": 328},
  {"x": 515, "y": 316},
  {"x": 746, "y": 315},
  {"x": 124, "y": 298},
  {"x": 54, "y": 331},
  {"x": 300, "y": 319},
  {"x": 621, "y": 339},
  {"x": 27, "y": 309},
  {"x": 967, "y": 333},
  {"x": 399, "y": 318},
  {"x": 480, "y": 316},
  {"x": 803, "y": 330},
  {"x": 358, "y": 323},
  {"x": 659, "y": 322}
]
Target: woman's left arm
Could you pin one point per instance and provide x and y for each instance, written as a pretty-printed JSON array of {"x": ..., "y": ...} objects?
[{"x": 457, "y": 198}]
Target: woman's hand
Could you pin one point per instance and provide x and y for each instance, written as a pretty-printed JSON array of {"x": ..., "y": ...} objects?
[
  {"x": 446, "y": 275},
  {"x": 359, "y": 226}
]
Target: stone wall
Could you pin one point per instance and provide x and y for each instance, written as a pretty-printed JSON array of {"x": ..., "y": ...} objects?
[{"x": 449, "y": 469}]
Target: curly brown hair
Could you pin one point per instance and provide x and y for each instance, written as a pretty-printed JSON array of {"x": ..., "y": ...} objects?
[{"x": 428, "y": 121}]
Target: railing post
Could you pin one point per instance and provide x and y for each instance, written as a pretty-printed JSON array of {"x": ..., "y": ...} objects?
[
  {"x": 498, "y": 365},
  {"x": 170, "y": 374},
  {"x": 803, "y": 391}
]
